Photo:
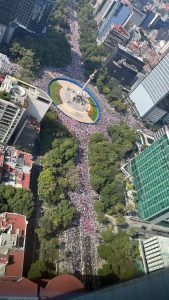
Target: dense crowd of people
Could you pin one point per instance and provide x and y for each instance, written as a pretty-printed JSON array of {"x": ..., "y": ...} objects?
[{"x": 81, "y": 240}]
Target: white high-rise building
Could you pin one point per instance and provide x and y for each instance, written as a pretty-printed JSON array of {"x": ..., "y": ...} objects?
[
  {"x": 155, "y": 253},
  {"x": 151, "y": 95},
  {"x": 5, "y": 66},
  {"x": 19, "y": 101}
]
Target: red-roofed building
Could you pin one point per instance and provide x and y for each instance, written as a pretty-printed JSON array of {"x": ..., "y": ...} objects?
[
  {"x": 15, "y": 167},
  {"x": 22, "y": 288},
  {"x": 60, "y": 285},
  {"x": 12, "y": 244}
]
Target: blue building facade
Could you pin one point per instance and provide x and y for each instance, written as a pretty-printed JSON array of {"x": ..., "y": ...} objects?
[{"x": 118, "y": 15}]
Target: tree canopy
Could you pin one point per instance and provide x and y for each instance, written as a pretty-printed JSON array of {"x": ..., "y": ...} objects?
[
  {"x": 49, "y": 49},
  {"x": 104, "y": 158},
  {"x": 119, "y": 254},
  {"x": 57, "y": 178},
  {"x": 93, "y": 55},
  {"x": 16, "y": 200}
]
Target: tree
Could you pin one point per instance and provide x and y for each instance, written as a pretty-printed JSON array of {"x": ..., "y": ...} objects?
[
  {"x": 132, "y": 231},
  {"x": 123, "y": 138},
  {"x": 107, "y": 235},
  {"x": 26, "y": 58},
  {"x": 53, "y": 49},
  {"x": 38, "y": 270},
  {"x": 16, "y": 200},
  {"x": 105, "y": 176},
  {"x": 119, "y": 254},
  {"x": 46, "y": 228},
  {"x": 93, "y": 55},
  {"x": 63, "y": 216},
  {"x": 52, "y": 128},
  {"x": 47, "y": 186},
  {"x": 120, "y": 220},
  {"x": 120, "y": 106}
]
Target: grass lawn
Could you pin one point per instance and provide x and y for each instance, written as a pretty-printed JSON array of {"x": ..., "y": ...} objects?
[
  {"x": 55, "y": 92},
  {"x": 93, "y": 114}
]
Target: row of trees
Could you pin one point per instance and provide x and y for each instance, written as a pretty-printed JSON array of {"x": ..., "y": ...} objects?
[
  {"x": 49, "y": 49},
  {"x": 57, "y": 178},
  {"x": 120, "y": 255},
  {"x": 112, "y": 90},
  {"x": 104, "y": 159},
  {"x": 94, "y": 57},
  {"x": 16, "y": 200}
]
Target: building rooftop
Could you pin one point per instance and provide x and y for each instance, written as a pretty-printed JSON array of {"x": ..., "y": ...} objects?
[
  {"x": 130, "y": 51},
  {"x": 12, "y": 243},
  {"x": 152, "y": 88},
  {"x": 64, "y": 286},
  {"x": 150, "y": 170},
  {"x": 15, "y": 167},
  {"x": 23, "y": 287},
  {"x": 33, "y": 99},
  {"x": 155, "y": 253},
  {"x": 5, "y": 66}
]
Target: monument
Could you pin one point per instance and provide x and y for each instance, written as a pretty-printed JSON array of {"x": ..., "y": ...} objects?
[
  {"x": 74, "y": 99},
  {"x": 80, "y": 97}
]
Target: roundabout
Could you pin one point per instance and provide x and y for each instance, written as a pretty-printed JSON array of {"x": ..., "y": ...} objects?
[{"x": 74, "y": 100}]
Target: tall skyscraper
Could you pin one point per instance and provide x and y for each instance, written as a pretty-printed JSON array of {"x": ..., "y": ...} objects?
[
  {"x": 31, "y": 15},
  {"x": 111, "y": 12},
  {"x": 150, "y": 170},
  {"x": 151, "y": 95}
]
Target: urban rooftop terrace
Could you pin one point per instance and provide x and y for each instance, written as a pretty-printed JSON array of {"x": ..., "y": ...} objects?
[{"x": 150, "y": 170}]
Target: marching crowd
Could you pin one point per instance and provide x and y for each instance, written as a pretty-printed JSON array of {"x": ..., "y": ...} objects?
[{"x": 82, "y": 239}]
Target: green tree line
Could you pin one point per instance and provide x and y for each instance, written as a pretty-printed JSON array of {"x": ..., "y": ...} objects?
[
  {"x": 105, "y": 156},
  {"x": 57, "y": 178},
  {"x": 94, "y": 57}
]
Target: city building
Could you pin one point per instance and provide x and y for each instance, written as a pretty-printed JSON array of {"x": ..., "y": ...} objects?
[
  {"x": 124, "y": 64},
  {"x": 137, "y": 17},
  {"x": 18, "y": 102},
  {"x": 150, "y": 95},
  {"x": 31, "y": 15},
  {"x": 124, "y": 53},
  {"x": 124, "y": 72},
  {"x": 116, "y": 12},
  {"x": 60, "y": 287},
  {"x": 12, "y": 245},
  {"x": 15, "y": 167},
  {"x": 155, "y": 253},
  {"x": 101, "y": 9},
  {"x": 5, "y": 65},
  {"x": 117, "y": 34},
  {"x": 151, "y": 18},
  {"x": 154, "y": 286},
  {"x": 150, "y": 171}
]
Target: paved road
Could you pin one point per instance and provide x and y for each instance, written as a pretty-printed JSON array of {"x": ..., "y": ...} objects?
[
  {"x": 31, "y": 237},
  {"x": 82, "y": 241},
  {"x": 150, "y": 229}
]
